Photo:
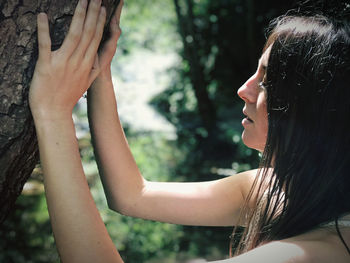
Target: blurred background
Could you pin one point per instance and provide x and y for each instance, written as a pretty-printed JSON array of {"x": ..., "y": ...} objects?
[{"x": 178, "y": 67}]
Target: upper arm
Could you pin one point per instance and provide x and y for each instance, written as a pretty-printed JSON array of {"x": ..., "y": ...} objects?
[{"x": 205, "y": 203}]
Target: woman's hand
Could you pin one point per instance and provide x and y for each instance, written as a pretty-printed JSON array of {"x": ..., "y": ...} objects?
[
  {"x": 109, "y": 48},
  {"x": 62, "y": 76}
]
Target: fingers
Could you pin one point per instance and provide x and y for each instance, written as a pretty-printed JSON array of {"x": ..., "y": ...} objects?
[
  {"x": 75, "y": 30},
  {"x": 114, "y": 25},
  {"x": 89, "y": 28},
  {"x": 119, "y": 11},
  {"x": 44, "y": 40},
  {"x": 110, "y": 46},
  {"x": 92, "y": 48}
]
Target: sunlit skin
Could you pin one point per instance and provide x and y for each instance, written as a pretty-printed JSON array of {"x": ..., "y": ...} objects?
[
  {"x": 254, "y": 95},
  {"x": 60, "y": 79}
]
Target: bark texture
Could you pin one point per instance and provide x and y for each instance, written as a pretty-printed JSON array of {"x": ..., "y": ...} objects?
[{"x": 18, "y": 54}]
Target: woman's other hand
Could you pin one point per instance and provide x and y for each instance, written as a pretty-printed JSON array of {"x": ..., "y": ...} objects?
[
  {"x": 61, "y": 77},
  {"x": 109, "y": 48}
]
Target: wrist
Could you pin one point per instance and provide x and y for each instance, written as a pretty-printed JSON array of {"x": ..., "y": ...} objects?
[
  {"x": 105, "y": 76},
  {"x": 51, "y": 116},
  {"x": 54, "y": 129},
  {"x": 101, "y": 88},
  {"x": 102, "y": 81}
]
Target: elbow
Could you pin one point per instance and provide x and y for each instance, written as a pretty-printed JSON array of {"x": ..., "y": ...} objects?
[
  {"x": 125, "y": 201},
  {"x": 126, "y": 207},
  {"x": 117, "y": 207},
  {"x": 113, "y": 206}
]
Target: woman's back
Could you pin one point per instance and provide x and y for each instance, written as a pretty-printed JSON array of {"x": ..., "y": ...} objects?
[{"x": 321, "y": 245}]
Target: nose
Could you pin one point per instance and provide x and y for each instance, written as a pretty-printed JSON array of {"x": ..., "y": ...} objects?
[{"x": 249, "y": 90}]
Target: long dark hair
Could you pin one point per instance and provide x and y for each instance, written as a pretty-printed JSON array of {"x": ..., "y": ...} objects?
[{"x": 308, "y": 142}]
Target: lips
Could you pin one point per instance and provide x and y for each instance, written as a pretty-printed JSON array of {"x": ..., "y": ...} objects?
[{"x": 247, "y": 116}]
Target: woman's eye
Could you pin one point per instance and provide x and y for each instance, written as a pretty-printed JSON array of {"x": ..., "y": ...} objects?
[{"x": 262, "y": 85}]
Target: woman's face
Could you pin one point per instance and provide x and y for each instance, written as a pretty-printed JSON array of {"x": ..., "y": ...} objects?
[{"x": 254, "y": 95}]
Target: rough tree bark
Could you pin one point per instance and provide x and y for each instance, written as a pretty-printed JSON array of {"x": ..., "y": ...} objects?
[{"x": 18, "y": 54}]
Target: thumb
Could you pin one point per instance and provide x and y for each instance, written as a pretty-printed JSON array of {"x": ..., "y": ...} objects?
[{"x": 95, "y": 70}]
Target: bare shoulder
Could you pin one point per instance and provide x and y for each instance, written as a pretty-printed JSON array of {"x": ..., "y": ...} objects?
[
  {"x": 244, "y": 180},
  {"x": 274, "y": 252},
  {"x": 247, "y": 179},
  {"x": 323, "y": 245},
  {"x": 320, "y": 246}
]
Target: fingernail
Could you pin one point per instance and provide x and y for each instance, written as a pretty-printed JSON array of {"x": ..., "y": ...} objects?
[
  {"x": 42, "y": 17},
  {"x": 83, "y": 3}
]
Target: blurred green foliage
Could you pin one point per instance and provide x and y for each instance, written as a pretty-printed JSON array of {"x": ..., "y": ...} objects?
[
  {"x": 227, "y": 37},
  {"x": 26, "y": 235}
]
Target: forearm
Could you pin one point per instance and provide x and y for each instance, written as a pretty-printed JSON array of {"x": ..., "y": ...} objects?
[
  {"x": 119, "y": 173},
  {"x": 79, "y": 231},
  {"x": 127, "y": 191}
]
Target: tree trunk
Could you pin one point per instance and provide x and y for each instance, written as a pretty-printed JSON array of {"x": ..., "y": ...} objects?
[
  {"x": 187, "y": 30},
  {"x": 18, "y": 54}
]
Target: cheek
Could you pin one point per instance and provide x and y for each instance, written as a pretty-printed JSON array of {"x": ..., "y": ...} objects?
[
  {"x": 255, "y": 136},
  {"x": 262, "y": 109}
]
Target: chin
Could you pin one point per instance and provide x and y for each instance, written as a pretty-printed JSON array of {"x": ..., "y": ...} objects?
[{"x": 252, "y": 142}]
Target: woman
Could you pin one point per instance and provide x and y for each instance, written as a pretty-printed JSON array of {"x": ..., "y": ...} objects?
[{"x": 295, "y": 205}]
